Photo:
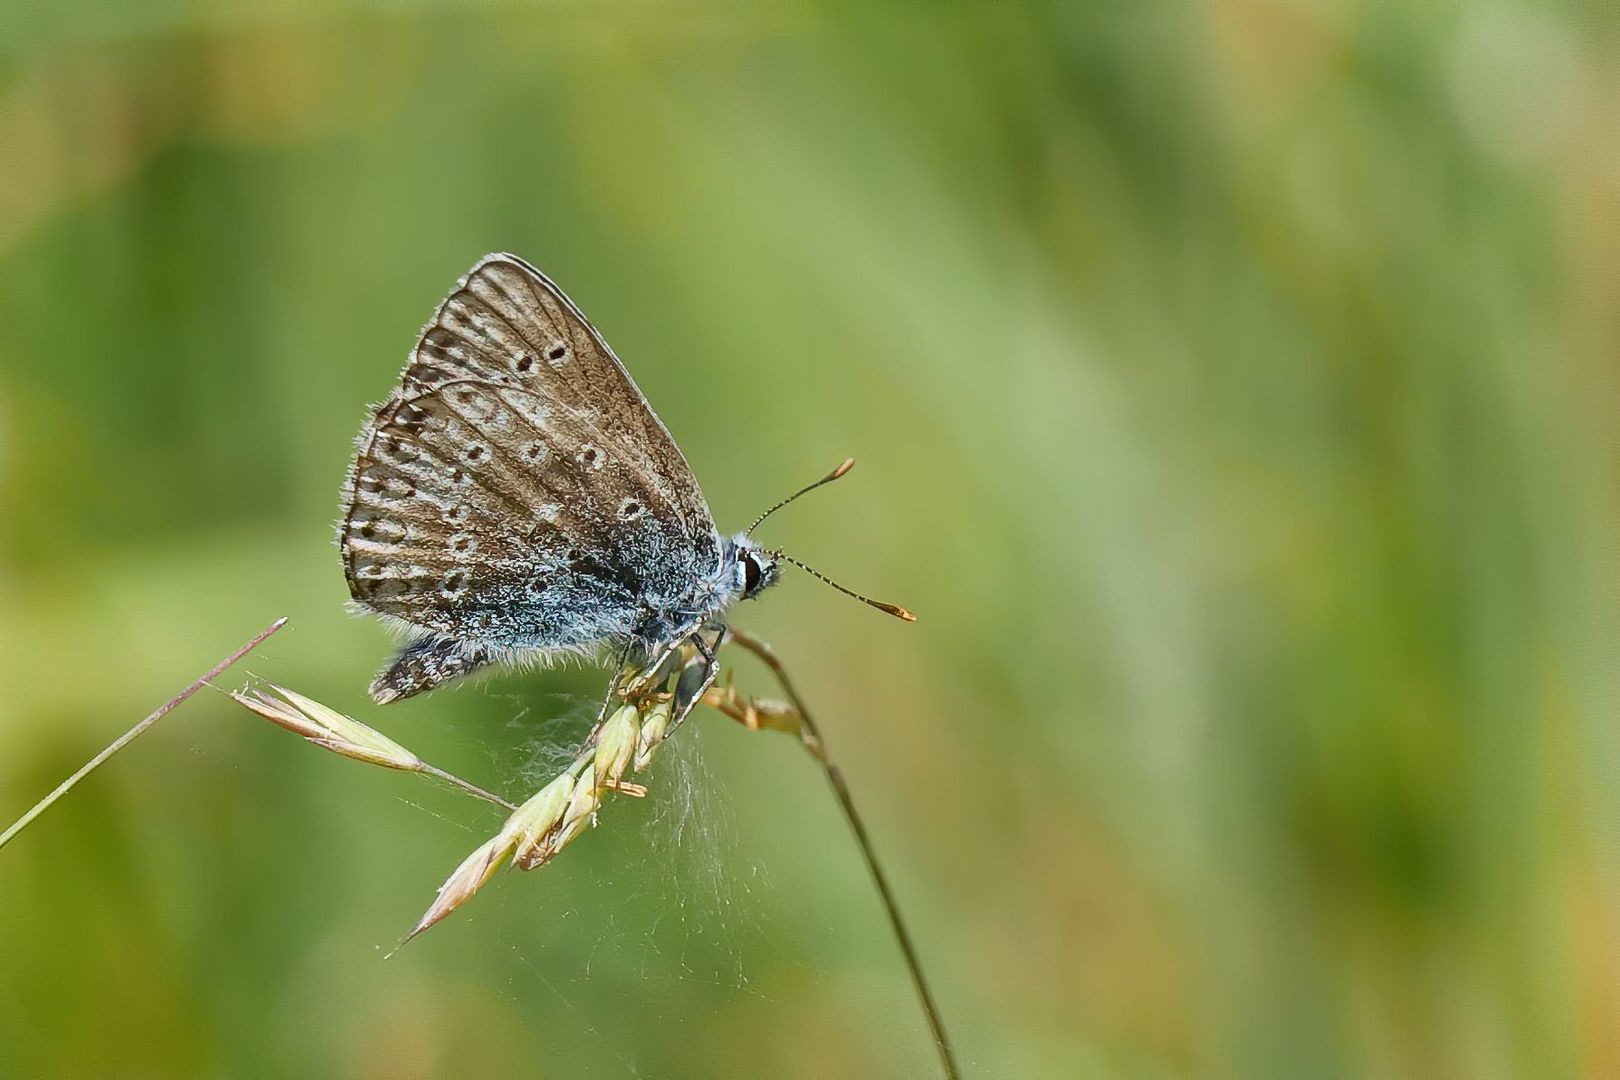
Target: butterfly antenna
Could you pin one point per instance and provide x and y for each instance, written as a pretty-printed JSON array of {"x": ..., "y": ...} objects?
[
  {"x": 888, "y": 609},
  {"x": 849, "y": 463}
]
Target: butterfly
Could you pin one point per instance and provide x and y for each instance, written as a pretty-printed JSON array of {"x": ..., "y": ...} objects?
[{"x": 516, "y": 497}]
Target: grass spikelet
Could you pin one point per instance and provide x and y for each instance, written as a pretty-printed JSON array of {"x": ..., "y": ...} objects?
[
  {"x": 558, "y": 813},
  {"x": 329, "y": 729},
  {"x": 320, "y": 725}
]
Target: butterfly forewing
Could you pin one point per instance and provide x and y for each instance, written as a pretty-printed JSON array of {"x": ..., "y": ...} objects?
[
  {"x": 517, "y": 487},
  {"x": 507, "y": 324}
]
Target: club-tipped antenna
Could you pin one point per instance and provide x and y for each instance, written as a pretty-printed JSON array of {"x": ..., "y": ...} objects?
[
  {"x": 849, "y": 463},
  {"x": 888, "y": 609}
]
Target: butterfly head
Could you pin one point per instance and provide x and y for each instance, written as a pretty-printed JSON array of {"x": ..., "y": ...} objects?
[{"x": 755, "y": 568}]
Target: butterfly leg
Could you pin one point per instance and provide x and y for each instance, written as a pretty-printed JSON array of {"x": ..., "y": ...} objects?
[
  {"x": 656, "y": 672},
  {"x": 425, "y": 664},
  {"x": 623, "y": 673},
  {"x": 696, "y": 677},
  {"x": 689, "y": 661}
]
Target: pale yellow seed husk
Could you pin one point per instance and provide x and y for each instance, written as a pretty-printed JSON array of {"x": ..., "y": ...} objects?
[
  {"x": 653, "y": 730},
  {"x": 616, "y": 744},
  {"x": 347, "y": 728},
  {"x": 532, "y": 821}
]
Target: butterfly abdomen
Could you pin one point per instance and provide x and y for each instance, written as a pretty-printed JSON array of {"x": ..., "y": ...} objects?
[{"x": 425, "y": 664}]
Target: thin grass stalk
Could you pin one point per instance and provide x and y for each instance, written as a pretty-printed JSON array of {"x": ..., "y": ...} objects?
[
  {"x": 810, "y": 736},
  {"x": 135, "y": 732}
]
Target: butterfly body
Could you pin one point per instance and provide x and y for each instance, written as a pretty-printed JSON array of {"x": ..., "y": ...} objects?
[{"x": 517, "y": 498}]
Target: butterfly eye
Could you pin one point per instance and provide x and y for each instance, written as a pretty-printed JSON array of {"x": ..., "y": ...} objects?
[{"x": 750, "y": 575}]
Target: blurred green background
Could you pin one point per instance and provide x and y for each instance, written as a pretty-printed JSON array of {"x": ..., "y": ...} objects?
[{"x": 1234, "y": 386}]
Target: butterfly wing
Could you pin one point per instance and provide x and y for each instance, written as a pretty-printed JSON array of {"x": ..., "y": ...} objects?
[{"x": 517, "y": 490}]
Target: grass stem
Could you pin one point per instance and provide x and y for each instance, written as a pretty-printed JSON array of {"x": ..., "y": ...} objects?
[
  {"x": 817, "y": 746},
  {"x": 135, "y": 732}
]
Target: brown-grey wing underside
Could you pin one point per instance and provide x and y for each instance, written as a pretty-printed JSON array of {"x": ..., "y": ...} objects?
[{"x": 516, "y": 489}]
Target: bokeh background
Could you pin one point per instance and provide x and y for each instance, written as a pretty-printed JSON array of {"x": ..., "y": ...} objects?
[{"x": 1234, "y": 386}]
